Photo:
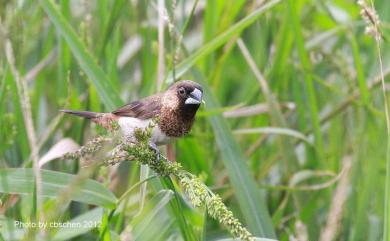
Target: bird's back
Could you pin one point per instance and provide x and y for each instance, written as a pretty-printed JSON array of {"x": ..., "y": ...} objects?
[{"x": 143, "y": 109}]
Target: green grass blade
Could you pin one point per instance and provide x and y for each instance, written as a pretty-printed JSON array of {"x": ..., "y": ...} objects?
[
  {"x": 386, "y": 223},
  {"x": 21, "y": 181},
  {"x": 87, "y": 221},
  {"x": 208, "y": 48},
  {"x": 275, "y": 131},
  {"x": 359, "y": 70},
  {"x": 10, "y": 231},
  {"x": 106, "y": 92},
  {"x": 144, "y": 174},
  {"x": 149, "y": 217},
  {"x": 251, "y": 202},
  {"x": 177, "y": 208},
  {"x": 311, "y": 93},
  {"x": 108, "y": 29}
]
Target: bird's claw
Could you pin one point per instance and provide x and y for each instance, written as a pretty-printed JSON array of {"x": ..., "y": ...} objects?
[{"x": 154, "y": 147}]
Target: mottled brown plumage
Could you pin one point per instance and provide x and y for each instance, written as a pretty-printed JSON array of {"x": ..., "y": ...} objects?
[
  {"x": 176, "y": 118},
  {"x": 176, "y": 109}
]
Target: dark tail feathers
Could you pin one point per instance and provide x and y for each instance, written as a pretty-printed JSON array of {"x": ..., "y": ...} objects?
[{"x": 85, "y": 114}]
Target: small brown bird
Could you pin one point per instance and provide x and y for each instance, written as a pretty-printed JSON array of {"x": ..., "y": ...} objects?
[{"x": 176, "y": 109}]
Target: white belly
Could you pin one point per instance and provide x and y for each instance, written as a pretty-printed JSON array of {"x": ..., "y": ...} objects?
[{"x": 130, "y": 124}]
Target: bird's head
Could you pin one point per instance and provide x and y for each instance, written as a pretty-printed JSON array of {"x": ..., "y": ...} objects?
[
  {"x": 188, "y": 92},
  {"x": 185, "y": 94}
]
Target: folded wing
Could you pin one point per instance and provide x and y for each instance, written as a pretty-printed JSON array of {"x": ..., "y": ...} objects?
[{"x": 143, "y": 109}]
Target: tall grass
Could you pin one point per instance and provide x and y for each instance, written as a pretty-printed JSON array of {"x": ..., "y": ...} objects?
[{"x": 292, "y": 135}]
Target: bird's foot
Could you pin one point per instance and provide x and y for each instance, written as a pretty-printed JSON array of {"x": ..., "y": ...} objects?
[{"x": 154, "y": 148}]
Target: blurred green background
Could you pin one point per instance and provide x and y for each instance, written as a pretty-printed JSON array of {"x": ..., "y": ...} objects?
[{"x": 292, "y": 134}]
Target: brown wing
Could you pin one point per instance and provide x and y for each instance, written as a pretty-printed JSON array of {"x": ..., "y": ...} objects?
[{"x": 146, "y": 108}]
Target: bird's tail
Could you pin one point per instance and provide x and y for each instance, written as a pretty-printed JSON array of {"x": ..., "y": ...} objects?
[{"x": 85, "y": 114}]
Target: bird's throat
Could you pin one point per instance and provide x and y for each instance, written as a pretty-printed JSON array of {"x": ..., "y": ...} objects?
[{"x": 176, "y": 123}]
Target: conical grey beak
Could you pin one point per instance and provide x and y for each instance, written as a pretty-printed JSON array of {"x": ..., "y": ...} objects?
[{"x": 195, "y": 97}]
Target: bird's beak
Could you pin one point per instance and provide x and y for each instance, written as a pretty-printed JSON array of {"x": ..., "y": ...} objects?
[{"x": 195, "y": 97}]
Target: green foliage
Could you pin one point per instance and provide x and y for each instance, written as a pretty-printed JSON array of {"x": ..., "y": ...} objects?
[
  {"x": 292, "y": 136},
  {"x": 21, "y": 181}
]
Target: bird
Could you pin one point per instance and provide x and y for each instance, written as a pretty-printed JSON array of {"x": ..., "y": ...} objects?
[{"x": 175, "y": 108}]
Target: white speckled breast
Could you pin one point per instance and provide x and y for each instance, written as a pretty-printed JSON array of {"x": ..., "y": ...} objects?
[{"x": 130, "y": 124}]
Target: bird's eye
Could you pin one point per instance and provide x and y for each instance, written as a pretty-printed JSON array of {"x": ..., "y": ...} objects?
[{"x": 182, "y": 91}]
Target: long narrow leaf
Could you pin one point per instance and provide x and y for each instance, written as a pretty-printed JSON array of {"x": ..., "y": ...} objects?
[
  {"x": 82, "y": 224},
  {"x": 184, "y": 66},
  {"x": 274, "y": 130},
  {"x": 9, "y": 230},
  {"x": 251, "y": 202},
  {"x": 108, "y": 95},
  {"x": 21, "y": 181},
  {"x": 143, "y": 224},
  {"x": 311, "y": 93}
]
